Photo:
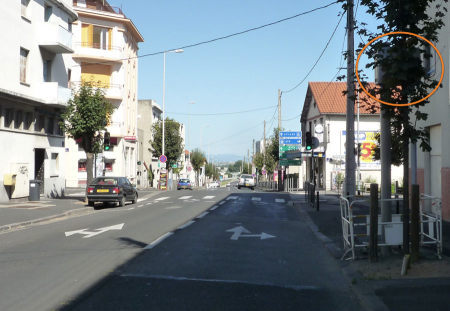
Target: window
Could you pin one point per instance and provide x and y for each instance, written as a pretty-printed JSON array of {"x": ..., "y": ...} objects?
[
  {"x": 58, "y": 128},
  {"x": 96, "y": 37},
  {"x": 24, "y": 7},
  {"x": 50, "y": 128},
  {"x": 48, "y": 12},
  {"x": 46, "y": 70},
  {"x": 28, "y": 121},
  {"x": 108, "y": 166},
  {"x": 81, "y": 166},
  {"x": 40, "y": 124},
  {"x": 69, "y": 25},
  {"x": 54, "y": 164},
  {"x": 23, "y": 65},
  {"x": 69, "y": 77},
  {"x": 18, "y": 120},
  {"x": 9, "y": 116}
]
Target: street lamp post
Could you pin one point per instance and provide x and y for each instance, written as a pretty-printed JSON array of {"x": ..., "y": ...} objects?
[
  {"x": 201, "y": 128},
  {"x": 164, "y": 87},
  {"x": 189, "y": 130}
]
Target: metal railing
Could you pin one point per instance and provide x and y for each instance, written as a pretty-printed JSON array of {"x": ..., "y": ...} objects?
[
  {"x": 98, "y": 46},
  {"x": 393, "y": 236},
  {"x": 96, "y": 5},
  {"x": 268, "y": 185},
  {"x": 99, "y": 84}
]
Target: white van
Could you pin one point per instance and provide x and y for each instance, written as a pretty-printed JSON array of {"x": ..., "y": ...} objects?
[{"x": 246, "y": 181}]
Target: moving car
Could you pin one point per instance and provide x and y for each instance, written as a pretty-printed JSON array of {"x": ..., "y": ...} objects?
[
  {"x": 184, "y": 183},
  {"x": 228, "y": 185},
  {"x": 247, "y": 181},
  {"x": 111, "y": 189}
]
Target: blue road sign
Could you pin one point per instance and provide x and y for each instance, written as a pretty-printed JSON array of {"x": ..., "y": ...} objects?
[
  {"x": 290, "y": 134},
  {"x": 296, "y": 141}
]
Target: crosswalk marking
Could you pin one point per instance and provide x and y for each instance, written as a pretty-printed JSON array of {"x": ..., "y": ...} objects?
[
  {"x": 209, "y": 197},
  {"x": 279, "y": 200},
  {"x": 160, "y": 199},
  {"x": 232, "y": 198},
  {"x": 185, "y": 197},
  {"x": 256, "y": 199},
  {"x": 140, "y": 200}
]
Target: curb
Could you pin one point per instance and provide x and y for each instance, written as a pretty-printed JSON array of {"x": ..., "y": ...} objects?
[
  {"x": 364, "y": 291},
  {"x": 23, "y": 224}
]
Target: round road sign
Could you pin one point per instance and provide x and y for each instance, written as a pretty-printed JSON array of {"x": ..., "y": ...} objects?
[
  {"x": 163, "y": 159},
  {"x": 189, "y": 169}
]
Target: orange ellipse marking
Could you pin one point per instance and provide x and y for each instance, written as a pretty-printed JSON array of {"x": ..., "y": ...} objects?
[{"x": 394, "y": 33}]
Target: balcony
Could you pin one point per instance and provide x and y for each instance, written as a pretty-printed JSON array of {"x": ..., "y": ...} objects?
[
  {"x": 54, "y": 38},
  {"x": 99, "y": 52},
  {"x": 53, "y": 94},
  {"x": 98, "y": 6},
  {"x": 112, "y": 91}
]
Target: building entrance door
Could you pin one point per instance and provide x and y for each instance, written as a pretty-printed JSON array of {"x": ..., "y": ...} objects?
[{"x": 39, "y": 157}]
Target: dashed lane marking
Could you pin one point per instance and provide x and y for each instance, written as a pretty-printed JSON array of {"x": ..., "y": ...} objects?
[
  {"x": 202, "y": 215},
  {"x": 163, "y": 198},
  {"x": 232, "y": 198},
  {"x": 256, "y": 199},
  {"x": 186, "y": 224},
  {"x": 279, "y": 200},
  {"x": 158, "y": 240},
  {"x": 185, "y": 197},
  {"x": 223, "y": 202},
  {"x": 209, "y": 197},
  {"x": 213, "y": 208}
]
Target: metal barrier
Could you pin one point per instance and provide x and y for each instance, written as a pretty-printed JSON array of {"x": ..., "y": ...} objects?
[
  {"x": 267, "y": 185},
  {"x": 393, "y": 230}
]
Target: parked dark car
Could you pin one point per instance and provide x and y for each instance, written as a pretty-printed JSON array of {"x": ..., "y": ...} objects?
[
  {"x": 184, "y": 183},
  {"x": 111, "y": 189}
]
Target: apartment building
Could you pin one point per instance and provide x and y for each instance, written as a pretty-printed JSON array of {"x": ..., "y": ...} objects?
[
  {"x": 106, "y": 42},
  {"x": 35, "y": 58}
]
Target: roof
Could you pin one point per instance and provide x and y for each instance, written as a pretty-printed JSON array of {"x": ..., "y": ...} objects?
[
  {"x": 186, "y": 151},
  {"x": 330, "y": 99}
]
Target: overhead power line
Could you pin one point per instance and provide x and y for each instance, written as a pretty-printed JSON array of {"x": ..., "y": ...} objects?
[
  {"x": 219, "y": 114},
  {"x": 320, "y": 56},
  {"x": 224, "y": 37}
]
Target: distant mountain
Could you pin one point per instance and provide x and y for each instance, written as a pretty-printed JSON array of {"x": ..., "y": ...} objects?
[{"x": 227, "y": 158}]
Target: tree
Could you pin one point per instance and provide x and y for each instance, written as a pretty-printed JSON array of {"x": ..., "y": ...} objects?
[
  {"x": 396, "y": 149},
  {"x": 405, "y": 80},
  {"x": 177, "y": 170},
  {"x": 86, "y": 115},
  {"x": 197, "y": 161},
  {"x": 173, "y": 141}
]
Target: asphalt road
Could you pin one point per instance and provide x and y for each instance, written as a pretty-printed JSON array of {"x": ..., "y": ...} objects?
[{"x": 223, "y": 249}]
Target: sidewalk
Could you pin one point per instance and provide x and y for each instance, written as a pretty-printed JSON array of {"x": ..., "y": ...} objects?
[{"x": 380, "y": 285}]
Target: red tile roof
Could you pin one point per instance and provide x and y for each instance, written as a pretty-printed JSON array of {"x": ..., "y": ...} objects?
[{"x": 329, "y": 98}]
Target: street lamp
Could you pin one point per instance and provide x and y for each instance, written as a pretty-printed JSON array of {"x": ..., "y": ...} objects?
[
  {"x": 164, "y": 87},
  {"x": 189, "y": 130},
  {"x": 201, "y": 128}
]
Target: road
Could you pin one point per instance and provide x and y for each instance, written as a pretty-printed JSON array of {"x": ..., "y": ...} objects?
[{"x": 222, "y": 249}]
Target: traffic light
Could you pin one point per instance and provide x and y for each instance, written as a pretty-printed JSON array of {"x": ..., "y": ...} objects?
[
  {"x": 107, "y": 141},
  {"x": 309, "y": 141},
  {"x": 139, "y": 163}
]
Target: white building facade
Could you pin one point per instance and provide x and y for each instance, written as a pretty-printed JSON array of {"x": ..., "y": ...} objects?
[
  {"x": 325, "y": 105},
  {"x": 34, "y": 60},
  {"x": 106, "y": 45}
]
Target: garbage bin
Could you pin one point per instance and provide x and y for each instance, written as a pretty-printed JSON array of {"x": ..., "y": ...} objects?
[{"x": 35, "y": 187}]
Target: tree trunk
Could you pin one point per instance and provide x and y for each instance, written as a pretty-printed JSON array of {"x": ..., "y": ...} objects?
[
  {"x": 405, "y": 211},
  {"x": 89, "y": 170}
]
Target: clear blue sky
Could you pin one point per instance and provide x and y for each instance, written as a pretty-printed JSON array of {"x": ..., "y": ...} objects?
[{"x": 239, "y": 73}]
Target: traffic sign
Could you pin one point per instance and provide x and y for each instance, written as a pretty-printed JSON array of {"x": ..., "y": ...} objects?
[
  {"x": 163, "y": 159},
  {"x": 189, "y": 169},
  {"x": 296, "y": 141},
  {"x": 290, "y": 134},
  {"x": 288, "y": 148},
  {"x": 290, "y": 162},
  {"x": 174, "y": 165},
  {"x": 282, "y": 155}
]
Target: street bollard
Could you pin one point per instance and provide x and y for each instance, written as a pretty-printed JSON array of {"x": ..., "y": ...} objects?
[
  {"x": 373, "y": 232},
  {"x": 317, "y": 201}
]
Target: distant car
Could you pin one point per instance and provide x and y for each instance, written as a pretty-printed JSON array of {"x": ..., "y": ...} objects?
[
  {"x": 111, "y": 189},
  {"x": 218, "y": 184},
  {"x": 184, "y": 183},
  {"x": 247, "y": 181},
  {"x": 228, "y": 185}
]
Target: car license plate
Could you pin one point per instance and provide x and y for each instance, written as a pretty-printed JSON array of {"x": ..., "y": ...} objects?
[
  {"x": 102, "y": 190},
  {"x": 247, "y": 184},
  {"x": 184, "y": 187}
]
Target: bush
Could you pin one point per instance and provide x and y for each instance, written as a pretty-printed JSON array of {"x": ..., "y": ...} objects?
[{"x": 370, "y": 180}]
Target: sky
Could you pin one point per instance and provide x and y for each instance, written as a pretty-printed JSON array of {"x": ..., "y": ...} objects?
[{"x": 240, "y": 73}]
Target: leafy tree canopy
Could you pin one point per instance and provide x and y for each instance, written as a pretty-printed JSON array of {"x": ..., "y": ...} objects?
[{"x": 173, "y": 141}]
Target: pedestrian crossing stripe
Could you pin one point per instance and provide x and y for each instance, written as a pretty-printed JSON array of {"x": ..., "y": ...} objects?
[
  {"x": 279, "y": 200},
  {"x": 256, "y": 199},
  {"x": 232, "y": 198},
  {"x": 209, "y": 197},
  {"x": 160, "y": 199},
  {"x": 185, "y": 197}
]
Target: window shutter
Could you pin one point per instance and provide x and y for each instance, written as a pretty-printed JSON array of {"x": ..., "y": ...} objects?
[
  {"x": 109, "y": 39},
  {"x": 90, "y": 35}
]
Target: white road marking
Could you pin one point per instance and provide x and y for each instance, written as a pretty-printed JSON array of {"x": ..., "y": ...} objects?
[
  {"x": 222, "y": 202},
  {"x": 140, "y": 200},
  {"x": 232, "y": 198},
  {"x": 202, "y": 215},
  {"x": 213, "y": 208},
  {"x": 208, "y": 197},
  {"x": 186, "y": 224},
  {"x": 140, "y": 205},
  {"x": 279, "y": 200},
  {"x": 185, "y": 197},
  {"x": 163, "y": 198},
  {"x": 158, "y": 240},
  {"x": 237, "y": 232},
  {"x": 256, "y": 199},
  {"x": 76, "y": 194},
  {"x": 148, "y": 203},
  {"x": 91, "y": 234}
]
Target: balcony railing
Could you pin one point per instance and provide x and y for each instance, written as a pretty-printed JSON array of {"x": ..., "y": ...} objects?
[
  {"x": 98, "y": 46},
  {"x": 97, "y": 5},
  {"x": 54, "y": 37},
  {"x": 99, "y": 84}
]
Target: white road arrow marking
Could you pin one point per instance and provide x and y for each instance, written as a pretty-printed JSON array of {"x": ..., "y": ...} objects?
[
  {"x": 237, "y": 232},
  {"x": 91, "y": 234}
]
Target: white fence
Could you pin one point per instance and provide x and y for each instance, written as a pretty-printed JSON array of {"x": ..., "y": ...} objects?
[{"x": 430, "y": 225}]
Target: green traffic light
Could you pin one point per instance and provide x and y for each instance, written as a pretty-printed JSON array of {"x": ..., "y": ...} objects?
[
  {"x": 106, "y": 148},
  {"x": 308, "y": 148}
]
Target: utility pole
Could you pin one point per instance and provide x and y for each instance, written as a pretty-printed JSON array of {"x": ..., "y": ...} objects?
[
  {"x": 350, "y": 120},
  {"x": 264, "y": 144},
  {"x": 279, "y": 129},
  {"x": 253, "y": 156},
  {"x": 248, "y": 161}
]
